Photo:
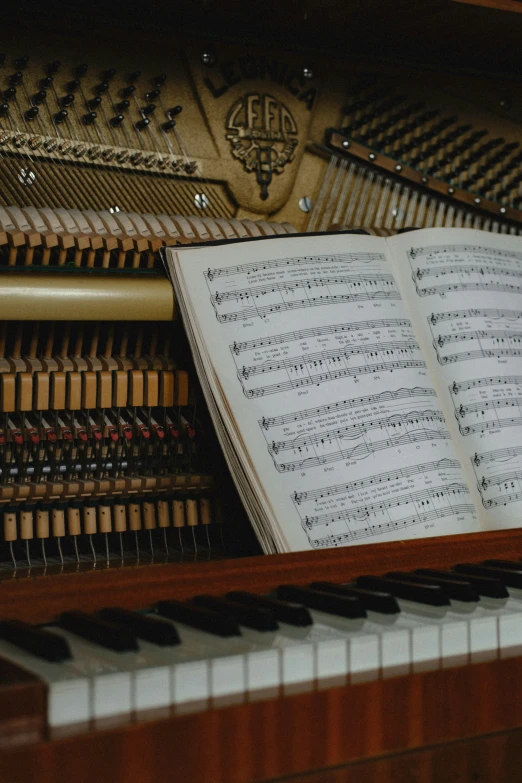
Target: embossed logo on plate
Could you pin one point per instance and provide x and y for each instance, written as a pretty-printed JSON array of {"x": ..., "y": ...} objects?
[{"x": 263, "y": 135}]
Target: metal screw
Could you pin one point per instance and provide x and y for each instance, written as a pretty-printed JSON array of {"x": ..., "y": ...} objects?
[
  {"x": 208, "y": 58},
  {"x": 345, "y": 144},
  {"x": 424, "y": 180},
  {"x": 398, "y": 167},
  {"x": 476, "y": 200},
  {"x": 305, "y": 204},
  {"x": 451, "y": 191},
  {"x": 26, "y": 177},
  {"x": 503, "y": 210},
  {"x": 201, "y": 200},
  {"x": 308, "y": 73},
  {"x": 372, "y": 156},
  {"x": 114, "y": 209}
]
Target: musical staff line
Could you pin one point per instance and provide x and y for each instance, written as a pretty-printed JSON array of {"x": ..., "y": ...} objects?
[
  {"x": 480, "y": 334},
  {"x": 380, "y": 478},
  {"x": 254, "y": 312},
  {"x": 424, "y": 496},
  {"x": 352, "y": 431},
  {"x": 322, "y": 410},
  {"x": 453, "y": 315},
  {"x": 436, "y": 250},
  {"x": 332, "y": 375},
  {"x": 465, "y": 269},
  {"x": 475, "y": 383},
  {"x": 480, "y": 407},
  {"x": 479, "y": 353},
  {"x": 488, "y": 286},
  {"x": 500, "y": 479},
  {"x": 252, "y": 267},
  {"x": 363, "y": 450},
  {"x": 485, "y": 426},
  {"x": 496, "y": 455},
  {"x": 289, "y": 286},
  {"x": 503, "y": 500},
  {"x": 320, "y": 331},
  {"x": 336, "y": 354},
  {"x": 340, "y": 539}
]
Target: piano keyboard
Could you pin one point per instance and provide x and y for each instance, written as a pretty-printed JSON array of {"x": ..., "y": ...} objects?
[{"x": 212, "y": 651}]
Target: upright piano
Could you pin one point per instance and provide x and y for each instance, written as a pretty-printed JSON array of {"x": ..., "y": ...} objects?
[{"x": 143, "y": 635}]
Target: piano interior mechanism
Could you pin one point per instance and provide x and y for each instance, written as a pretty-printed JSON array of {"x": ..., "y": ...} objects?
[{"x": 125, "y": 129}]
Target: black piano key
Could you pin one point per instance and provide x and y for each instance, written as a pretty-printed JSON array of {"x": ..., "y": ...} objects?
[
  {"x": 283, "y": 611},
  {"x": 100, "y": 632},
  {"x": 453, "y": 588},
  {"x": 372, "y": 600},
  {"x": 198, "y": 617},
  {"x": 143, "y": 626},
  {"x": 512, "y": 565},
  {"x": 343, "y": 606},
  {"x": 411, "y": 591},
  {"x": 36, "y": 641},
  {"x": 508, "y": 577},
  {"x": 492, "y": 588},
  {"x": 260, "y": 619}
]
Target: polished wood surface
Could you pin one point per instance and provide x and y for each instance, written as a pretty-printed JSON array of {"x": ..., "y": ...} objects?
[
  {"x": 23, "y": 706},
  {"x": 281, "y": 737},
  {"x": 39, "y": 598}
]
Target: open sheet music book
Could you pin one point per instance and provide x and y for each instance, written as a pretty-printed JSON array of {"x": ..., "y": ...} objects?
[{"x": 363, "y": 389}]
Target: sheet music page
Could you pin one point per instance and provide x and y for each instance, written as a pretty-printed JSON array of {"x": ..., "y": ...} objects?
[
  {"x": 326, "y": 391},
  {"x": 464, "y": 292}
]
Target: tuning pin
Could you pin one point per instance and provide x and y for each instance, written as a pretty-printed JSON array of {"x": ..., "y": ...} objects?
[
  {"x": 81, "y": 70},
  {"x": 4, "y": 109},
  {"x": 123, "y": 106},
  {"x": 152, "y": 95},
  {"x": 61, "y": 116},
  {"x": 174, "y": 111},
  {"x": 67, "y": 100},
  {"x": 16, "y": 78},
  {"x": 94, "y": 102},
  {"x": 167, "y": 126},
  {"x": 142, "y": 124},
  {"x": 22, "y": 62},
  {"x": 159, "y": 80},
  {"x": 147, "y": 110},
  {"x": 73, "y": 86},
  {"x": 116, "y": 120},
  {"x": 128, "y": 91},
  {"x": 53, "y": 67},
  {"x": 101, "y": 88},
  {"x": 134, "y": 76},
  {"x": 31, "y": 113},
  {"x": 109, "y": 74},
  {"x": 46, "y": 82},
  {"x": 9, "y": 94},
  {"x": 89, "y": 118}
]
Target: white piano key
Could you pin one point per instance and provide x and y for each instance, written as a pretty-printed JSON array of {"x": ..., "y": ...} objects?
[
  {"x": 227, "y": 678},
  {"x": 112, "y": 683}
]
